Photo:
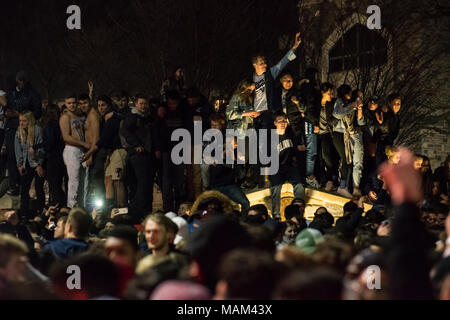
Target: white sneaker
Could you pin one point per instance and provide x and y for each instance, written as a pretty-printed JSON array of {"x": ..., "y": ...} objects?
[
  {"x": 344, "y": 192},
  {"x": 312, "y": 182}
]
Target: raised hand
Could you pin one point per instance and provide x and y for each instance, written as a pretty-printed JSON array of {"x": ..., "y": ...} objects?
[
  {"x": 297, "y": 41},
  {"x": 402, "y": 180},
  {"x": 379, "y": 116},
  {"x": 91, "y": 88},
  {"x": 40, "y": 171},
  {"x": 295, "y": 100}
]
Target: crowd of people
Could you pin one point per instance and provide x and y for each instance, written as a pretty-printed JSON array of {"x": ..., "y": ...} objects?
[{"x": 95, "y": 161}]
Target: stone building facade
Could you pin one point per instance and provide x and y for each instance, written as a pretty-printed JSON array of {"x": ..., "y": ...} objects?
[{"x": 338, "y": 42}]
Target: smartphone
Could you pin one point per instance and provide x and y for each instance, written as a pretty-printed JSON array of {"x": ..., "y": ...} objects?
[{"x": 122, "y": 211}]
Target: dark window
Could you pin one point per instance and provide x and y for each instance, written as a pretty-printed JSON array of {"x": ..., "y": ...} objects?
[{"x": 358, "y": 48}]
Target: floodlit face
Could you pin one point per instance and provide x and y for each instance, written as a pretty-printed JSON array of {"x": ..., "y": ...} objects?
[
  {"x": 122, "y": 103},
  {"x": 156, "y": 236},
  {"x": 179, "y": 73},
  {"x": 102, "y": 107},
  {"x": 216, "y": 125},
  {"x": 280, "y": 124},
  {"x": 71, "y": 104},
  {"x": 59, "y": 230},
  {"x": 172, "y": 105},
  {"x": 260, "y": 66},
  {"x": 372, "y": 106},
  {"x": 291, "y": 233},
  {"x": 23, "y": 122},
  {"x": 418, "y": 163},
  {"x": 396, "y": 105},
  {"x": 84, "y": 105},
  {"x": 184, "y": 209},
  {"x": 327, "y": 96},
  {"x": 16, "y": 268},
  {"x": 141, "y": 105},
  {"x": 287, "y": 82},
  {"x": 120, "y": 250},
  {"x": 361, "y": 95},
  {"x": 396, "y": 158}
]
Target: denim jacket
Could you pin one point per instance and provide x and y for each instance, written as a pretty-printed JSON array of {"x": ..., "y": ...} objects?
[
  {"x": 22, "y": 150},
  {"x": 342, "y": 113},
  {"x": 234, "y": 114}
]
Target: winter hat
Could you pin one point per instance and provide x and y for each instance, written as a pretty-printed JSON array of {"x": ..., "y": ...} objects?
[
  {"x": 308, "y": 239},
  {"x": 183, "y": 230},
  {"x": 171, "y": 215}
]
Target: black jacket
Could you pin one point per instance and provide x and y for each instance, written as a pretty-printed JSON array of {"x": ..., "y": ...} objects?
[
  {"x": 163, "y": 128},
  {"x": 389, "y": 129},
  {"x": 296, "y": 121},
  {"x": 20, "y": 231},
  {"x": 109, "y": 138},
  {"x": 347, "y": 225},
  {"x": 314, "y": 113},
  {"x": 22, "y": 101},
  {"x": 53, "y": 143},
  {"x": 137, "y": 132}
]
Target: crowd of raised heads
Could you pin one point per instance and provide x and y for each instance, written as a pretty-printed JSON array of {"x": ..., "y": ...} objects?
[{"x": 86, "y": 172}]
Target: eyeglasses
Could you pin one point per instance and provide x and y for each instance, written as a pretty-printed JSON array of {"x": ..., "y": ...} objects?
[{"x": 282, "y": 121}]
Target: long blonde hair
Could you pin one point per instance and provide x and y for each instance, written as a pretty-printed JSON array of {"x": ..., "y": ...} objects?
[
  {"x": 243, "y": 91},
  {"x": 27, "y": 136}
]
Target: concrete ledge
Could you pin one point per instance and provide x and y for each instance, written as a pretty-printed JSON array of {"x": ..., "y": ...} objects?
[
  {"x": 9, "y": 202},
  {"x": 314, "y": 199}
]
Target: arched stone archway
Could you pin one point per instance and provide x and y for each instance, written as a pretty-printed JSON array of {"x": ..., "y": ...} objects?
[{"x": 338, "y": 33}]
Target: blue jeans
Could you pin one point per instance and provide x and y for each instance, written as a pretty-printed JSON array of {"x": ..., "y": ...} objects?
[
  {"x": 235, "y": 193},
  {"x": 358, "y": 157},
  {"x": 311, "y": 153}
]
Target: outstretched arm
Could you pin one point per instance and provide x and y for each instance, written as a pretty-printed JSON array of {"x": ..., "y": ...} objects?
[
  {"x": 290, "y": 56},
  {"x": 91, "y": 89}
]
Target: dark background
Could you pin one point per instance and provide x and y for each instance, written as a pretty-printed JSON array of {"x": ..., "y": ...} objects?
[{"x": 134, "y": 45}]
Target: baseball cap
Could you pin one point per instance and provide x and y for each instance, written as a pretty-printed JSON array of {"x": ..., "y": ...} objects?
[{"x": 308, "y": 239}]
